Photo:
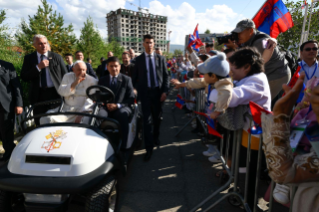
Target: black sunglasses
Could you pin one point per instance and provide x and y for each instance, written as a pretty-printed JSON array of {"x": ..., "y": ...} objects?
[{"x": 313, "y": 49}]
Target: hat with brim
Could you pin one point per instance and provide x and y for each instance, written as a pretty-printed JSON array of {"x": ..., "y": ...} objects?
[{"x": 244, "y": 24}]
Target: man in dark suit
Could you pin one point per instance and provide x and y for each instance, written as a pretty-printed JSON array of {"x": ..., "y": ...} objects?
[
  {"x": 10, "y": 103},
  {"x": 150, "y": 79},
  {"x": 103, "y": 69},
  {"x": 89, "y": 70},
  {"x": 122, "y": 88},
  {"x": 127, "y": 67},
  {"x": 98, "y": 70},
  {"x": 44, "y": 70},
  {"x": 69, "y": 59}
]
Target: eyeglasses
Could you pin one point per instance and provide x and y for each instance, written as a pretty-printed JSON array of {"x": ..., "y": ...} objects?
[{"x": 313, "y": 49}]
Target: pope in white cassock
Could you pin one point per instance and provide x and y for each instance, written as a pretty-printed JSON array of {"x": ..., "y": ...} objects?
[{"x": 73, "y": 89}]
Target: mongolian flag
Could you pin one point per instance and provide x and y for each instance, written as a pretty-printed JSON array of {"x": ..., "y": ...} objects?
[
  {"x": 256, "y": 111},
  {"x": 293, "y": 81},
  {"x": 273, "y": 18},
  {"x": 194, "y": 40},
  {"x": 179, "y": 102},
  {"x": 210, "y": 124}
]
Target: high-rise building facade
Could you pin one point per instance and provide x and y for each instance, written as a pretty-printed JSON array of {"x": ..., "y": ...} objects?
[{"x": 128, "y": 27}]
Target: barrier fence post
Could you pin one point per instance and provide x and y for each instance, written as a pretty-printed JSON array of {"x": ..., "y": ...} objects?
[
  {"x": 258, "y": 173},
  {"x": 271, "y": 200}
]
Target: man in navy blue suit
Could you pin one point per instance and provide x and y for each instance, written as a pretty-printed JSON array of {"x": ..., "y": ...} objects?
[
  {"x": 89, "y": 70},
  {"x": 150, "y": 79}
]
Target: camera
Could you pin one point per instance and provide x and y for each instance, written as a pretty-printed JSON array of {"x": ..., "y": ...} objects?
[{"x": 224, "y": 39}]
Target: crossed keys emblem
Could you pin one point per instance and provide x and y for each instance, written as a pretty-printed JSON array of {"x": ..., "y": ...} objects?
[{"x": 53, "y": 143}]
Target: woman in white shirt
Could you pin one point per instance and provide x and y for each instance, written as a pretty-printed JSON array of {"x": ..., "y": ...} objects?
[
  {"x": 250, "y": 84},
  {"x": 73, "y": 89}
]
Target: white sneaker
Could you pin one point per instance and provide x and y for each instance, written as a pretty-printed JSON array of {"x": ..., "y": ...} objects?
[
  {"x": 210, "y": 152},
  {"x": 281, "y": 194},
  {"x": 214, "y": 159}
]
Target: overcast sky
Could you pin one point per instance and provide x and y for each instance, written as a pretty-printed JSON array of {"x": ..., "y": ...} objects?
[{"x": 216, "y": 15}]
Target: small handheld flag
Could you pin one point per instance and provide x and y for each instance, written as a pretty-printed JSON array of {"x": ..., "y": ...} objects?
[
  {"x": 179, "y": 102},
  {"x": 210, "y": 125},
  {"x": 273, "y": 18},
  {"x": 194, "y": 40}
]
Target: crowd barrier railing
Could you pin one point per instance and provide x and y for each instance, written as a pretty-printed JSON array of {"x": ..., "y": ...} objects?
[{"x": 234, "y": 195}]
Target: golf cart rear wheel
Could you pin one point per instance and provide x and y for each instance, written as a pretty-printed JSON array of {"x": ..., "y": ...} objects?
[{"x": 104, "y": 197}]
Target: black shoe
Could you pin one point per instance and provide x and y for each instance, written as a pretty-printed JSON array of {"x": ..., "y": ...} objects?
[
  {"x": 157, "y": 142},
  {"x": 148, "y": 155}
]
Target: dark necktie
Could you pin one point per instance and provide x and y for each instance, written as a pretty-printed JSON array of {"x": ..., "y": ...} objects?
[
  {"x": 113, "y": 85},
  {"x": 153, "y": 85},
  {"x": 43, "y": 75}
]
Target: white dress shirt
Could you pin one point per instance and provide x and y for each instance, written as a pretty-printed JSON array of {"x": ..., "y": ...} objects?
[
  {"x": 309, "y": 70},
  {"x": 49, "y": 81},
  {"x": 147, "y": 58}
]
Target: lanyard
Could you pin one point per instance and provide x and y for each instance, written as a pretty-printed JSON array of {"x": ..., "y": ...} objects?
[
  {"x": 209, "y": 87},
  {"x": 306, "y": 72}
]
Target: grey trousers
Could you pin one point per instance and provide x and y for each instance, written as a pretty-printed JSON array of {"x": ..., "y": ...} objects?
[{"x": 276, "y": 85}]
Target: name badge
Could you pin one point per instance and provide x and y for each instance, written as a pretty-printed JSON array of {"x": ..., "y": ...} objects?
[{"x": 296, "y": 135}]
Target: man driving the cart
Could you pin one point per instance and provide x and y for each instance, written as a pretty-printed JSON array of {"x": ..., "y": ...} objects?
[
  {"x": 121, "y": 108},
  {"x": 73, "y": 90}
]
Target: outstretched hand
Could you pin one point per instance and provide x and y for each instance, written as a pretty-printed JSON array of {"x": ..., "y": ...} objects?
[
  {"x": 314, "y": 100},
  {"x": 177, "y": 84},
  {"x": 285, "y": 104}
]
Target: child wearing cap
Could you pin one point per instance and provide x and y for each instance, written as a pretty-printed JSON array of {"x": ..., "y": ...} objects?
[{"x": 216, "y": 70}]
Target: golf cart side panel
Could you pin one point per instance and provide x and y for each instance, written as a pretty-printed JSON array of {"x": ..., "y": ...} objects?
[
  {"x": 56, "y": 185},
  {"x": 60, "y": 151}
]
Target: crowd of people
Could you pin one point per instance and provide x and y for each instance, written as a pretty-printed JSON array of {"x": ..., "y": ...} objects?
[{"x": 251, "y": 68}]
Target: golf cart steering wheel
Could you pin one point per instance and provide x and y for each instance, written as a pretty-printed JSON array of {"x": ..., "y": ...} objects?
[{"x": 102, "y": 94}]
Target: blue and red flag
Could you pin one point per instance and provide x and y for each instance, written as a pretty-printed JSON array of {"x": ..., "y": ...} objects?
[
  {"x": 256, "y": 111},
  {"x": 194, "y": 40},
  {"x": 273, "y": 18},
  {"x": 179, "y": 102},
  {"x": 293, "y": 81},
  {"x": 210, "y": 124}
]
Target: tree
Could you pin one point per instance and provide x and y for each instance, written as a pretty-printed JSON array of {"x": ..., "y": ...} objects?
[
  {"x": 8, "y": 53},
  {"x": 48, "y": 23},
  {"x": 91, "y": 42},
  {"x": 291, "y": 38},
  {"x": 207, "y": 31},
  {"x": 177, "y": 52}
]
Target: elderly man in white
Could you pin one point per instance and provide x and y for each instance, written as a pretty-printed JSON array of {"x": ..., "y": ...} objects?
[{"x": 73, "y": 89}]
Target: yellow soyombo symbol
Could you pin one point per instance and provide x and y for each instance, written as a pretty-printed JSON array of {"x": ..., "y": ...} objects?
[{"x": 53, "y": 143}]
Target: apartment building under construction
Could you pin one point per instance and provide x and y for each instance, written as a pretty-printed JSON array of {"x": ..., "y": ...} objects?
[{"x": 128, "y": 27}]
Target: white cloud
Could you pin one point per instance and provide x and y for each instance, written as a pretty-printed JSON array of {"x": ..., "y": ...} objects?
[{"x": 181, "y": 20}]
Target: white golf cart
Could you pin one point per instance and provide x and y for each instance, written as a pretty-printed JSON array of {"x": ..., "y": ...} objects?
[{"x": 55, "y": 163}]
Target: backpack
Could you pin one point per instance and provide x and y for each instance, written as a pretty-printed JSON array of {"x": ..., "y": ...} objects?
[{"x": 289, "y": 56}]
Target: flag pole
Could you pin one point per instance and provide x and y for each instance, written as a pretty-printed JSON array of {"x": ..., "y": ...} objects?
[
  {"x": 311, "y": 10},
  {"x": 303, "y": 28},
  {"x": 259, "y": 9}
]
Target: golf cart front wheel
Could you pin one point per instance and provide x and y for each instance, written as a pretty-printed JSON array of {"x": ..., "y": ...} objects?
[
  {"x": 104, "y": 197},
  {"x": 11, "y": 202}
]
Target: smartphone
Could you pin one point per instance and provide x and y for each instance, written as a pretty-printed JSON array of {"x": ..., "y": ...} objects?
[{"x": 265, "y": 44}]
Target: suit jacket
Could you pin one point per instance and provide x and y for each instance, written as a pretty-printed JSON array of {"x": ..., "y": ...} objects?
[
  {"x": 140, "y": 75},
  {"x": 90, "y": 70},
  {"x": 130, "y": 70},
  {"x": 124, "y": 94},
  {"x": 103, "y": 70},
  {"x": 30, "y": 73},
  {"x": 67, "y": 68},
  {"x": 10, "y": 87}
]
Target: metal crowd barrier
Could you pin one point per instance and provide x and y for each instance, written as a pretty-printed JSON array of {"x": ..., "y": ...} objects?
[
  {"x": 200, "y": 97},
  {"x": 234, "y": 196}
]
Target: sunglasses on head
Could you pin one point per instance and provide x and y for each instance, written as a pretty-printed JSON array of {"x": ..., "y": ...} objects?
[{"x": 313, "y": 49}]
